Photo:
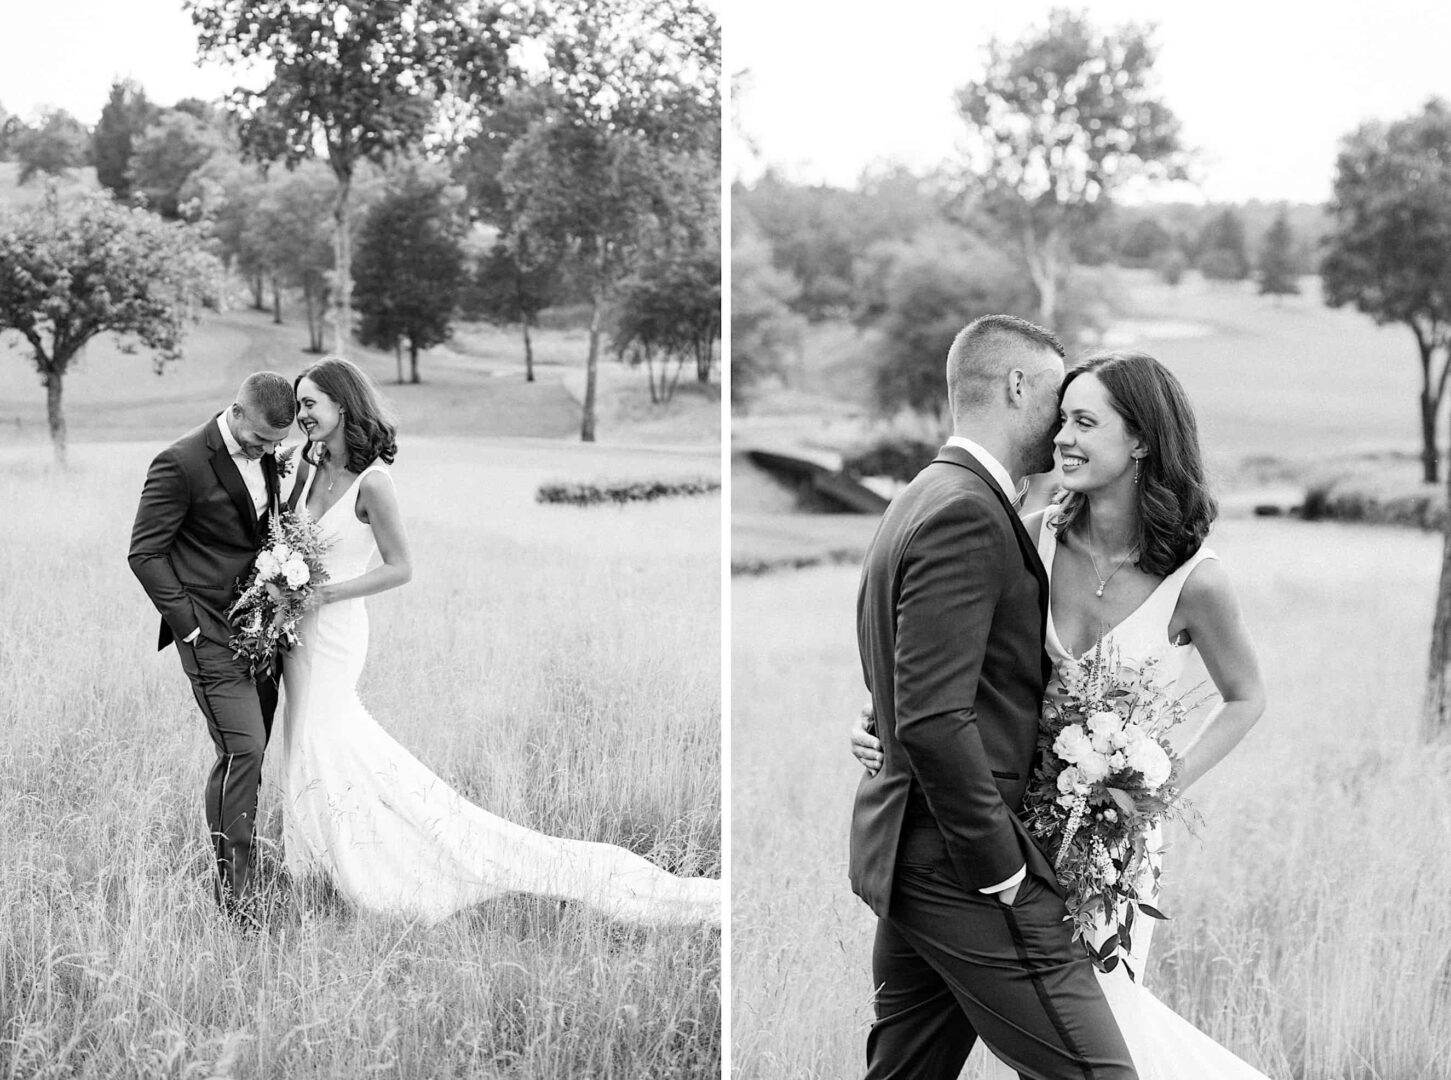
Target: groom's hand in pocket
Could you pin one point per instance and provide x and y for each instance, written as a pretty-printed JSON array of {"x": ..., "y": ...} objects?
[{"x": 865, "y": 746}]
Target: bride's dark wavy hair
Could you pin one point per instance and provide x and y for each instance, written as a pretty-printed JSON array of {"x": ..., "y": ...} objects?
[
  {"x": 1174, "y": 502},
  {"x": 369, "y": 428}
]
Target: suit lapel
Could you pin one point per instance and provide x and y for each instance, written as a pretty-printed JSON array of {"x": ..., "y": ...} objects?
[
  {"x": 955, "y": 455},
  {"x": 231, "y": 481}
]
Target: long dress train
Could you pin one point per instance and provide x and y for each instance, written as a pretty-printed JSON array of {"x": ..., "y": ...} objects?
[
  {"x": 391, "y": 836},
  {"x": 1163, "y": 1045}
]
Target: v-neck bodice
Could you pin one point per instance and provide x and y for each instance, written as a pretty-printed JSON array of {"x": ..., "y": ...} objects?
[
  {"x": 351, "y": 543},
  {"x": 1143, "y": 632}
]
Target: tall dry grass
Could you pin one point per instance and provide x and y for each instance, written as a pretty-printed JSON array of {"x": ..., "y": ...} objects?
[
  {"x": 1310, "y": 929},
  {"x": 546, "y": 661}
]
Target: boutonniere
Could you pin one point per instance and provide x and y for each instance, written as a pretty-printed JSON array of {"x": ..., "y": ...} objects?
[{"x": 284, "y": 462}]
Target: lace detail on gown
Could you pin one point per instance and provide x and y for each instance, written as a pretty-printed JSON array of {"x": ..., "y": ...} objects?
[
  {"x": 389, "y": 834},
  {"x": 1163, "y": 1045}
]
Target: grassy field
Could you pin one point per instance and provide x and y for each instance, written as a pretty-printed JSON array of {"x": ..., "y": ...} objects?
[
  {"x": 1309, "y": 926},
  {"x": 543, "y": 661}
]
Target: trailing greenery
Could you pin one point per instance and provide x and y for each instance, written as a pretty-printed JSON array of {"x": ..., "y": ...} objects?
[{"x": 576, "y": 493}]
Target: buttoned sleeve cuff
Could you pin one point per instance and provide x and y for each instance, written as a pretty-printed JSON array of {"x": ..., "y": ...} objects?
[{"x": 1003, "y": 886}]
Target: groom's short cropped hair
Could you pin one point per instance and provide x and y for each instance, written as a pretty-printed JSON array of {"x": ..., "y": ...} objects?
[
  {"x": 984, "y": 351},
  {"x": 268, "y": 396}
]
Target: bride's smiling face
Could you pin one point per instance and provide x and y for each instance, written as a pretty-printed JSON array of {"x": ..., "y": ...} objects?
[
  {"x": 317, "y": 414},
  {"x": 1095, "y": 447}
]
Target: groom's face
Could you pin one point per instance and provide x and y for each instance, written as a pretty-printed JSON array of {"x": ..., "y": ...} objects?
[
  {"x": 1041, "y": 413},
  {"x": 253, "y": 433}
]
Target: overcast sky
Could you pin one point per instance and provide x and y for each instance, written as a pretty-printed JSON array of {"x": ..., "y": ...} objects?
[
  {"x": 66, "y": 53},
  {"x": 1264, "y": 90}
]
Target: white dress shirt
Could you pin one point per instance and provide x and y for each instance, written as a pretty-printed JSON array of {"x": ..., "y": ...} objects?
[
  {"x": 250, "y": 468},
  {"x": 1004, "y": 480}
]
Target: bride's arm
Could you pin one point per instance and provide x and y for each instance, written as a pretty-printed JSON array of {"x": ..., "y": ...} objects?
[
  {"x": 1212, "y": 617},
  {"x": 379, "y": 508}
]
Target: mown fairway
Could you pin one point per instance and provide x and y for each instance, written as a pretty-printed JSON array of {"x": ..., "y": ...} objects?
[{"x": 545, "y": 660}]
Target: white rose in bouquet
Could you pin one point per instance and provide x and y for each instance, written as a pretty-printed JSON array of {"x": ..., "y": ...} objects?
[
  {"x": 1071, "y": 782},
  {"x": 1148, "y": 758},
  {"x": 1102, "y": 728},
  {"x": 1072, "y": 744},
  {"x": 1093, "y": 768},
  {"x": 283, "y": 554},
  {"x": 267, "y": 565},
  {"x": 297, "y": 573}
]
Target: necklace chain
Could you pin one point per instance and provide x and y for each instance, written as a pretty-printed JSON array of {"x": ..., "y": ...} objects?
[{"x": 1103, "y": 581}]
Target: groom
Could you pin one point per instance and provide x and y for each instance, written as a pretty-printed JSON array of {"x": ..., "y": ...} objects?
[
  {"x": 950, "y": 621},
  {"x": 203, "y": 516}
]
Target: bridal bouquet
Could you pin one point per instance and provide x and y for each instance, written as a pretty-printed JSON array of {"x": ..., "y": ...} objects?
[
  {"x": 1106, "y": 776},
  {"x": 287, "y": 571}
]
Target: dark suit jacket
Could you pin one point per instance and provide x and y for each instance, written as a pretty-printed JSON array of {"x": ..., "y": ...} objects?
[
  {"x": 951, "y": 615},
  {"x": 196, "y": 534}
]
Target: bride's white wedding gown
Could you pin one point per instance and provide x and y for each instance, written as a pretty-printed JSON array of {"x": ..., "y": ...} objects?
[
  {"x": 391, "y": 836},
  {"x": 1163, "y": 1045}
]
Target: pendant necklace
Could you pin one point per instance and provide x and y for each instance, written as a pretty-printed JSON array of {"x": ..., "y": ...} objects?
[{"x": 1103, "y": 581}]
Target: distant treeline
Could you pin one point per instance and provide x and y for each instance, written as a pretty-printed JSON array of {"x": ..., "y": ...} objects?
[{"x": 834, "y": 241}]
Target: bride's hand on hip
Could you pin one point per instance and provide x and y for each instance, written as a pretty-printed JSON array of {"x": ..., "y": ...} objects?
[{"x": 865, "y": 746}]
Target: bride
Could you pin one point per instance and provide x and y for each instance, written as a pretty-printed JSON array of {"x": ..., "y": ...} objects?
[
  {"x": 1126, "y": 561},
  {"x": 359, "y": 809}
]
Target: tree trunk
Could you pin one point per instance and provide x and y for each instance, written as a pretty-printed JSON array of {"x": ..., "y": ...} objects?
[
  {"x": 1436, "y": 711},
  {"x": 591, "y": 370},
  {"x": 258, "y": 287},
  {"x": 528, "y": 352},
  {"x": 398, "y": 356},
  {"x": 675, "y": 382},
  {"x": 342, "y": 262},
  {"x": 1430, "y": 466},
  {"x": 276, "y": 303},
  {"x": 413, "y": 360},
  {"x": 55, "y": 415}
]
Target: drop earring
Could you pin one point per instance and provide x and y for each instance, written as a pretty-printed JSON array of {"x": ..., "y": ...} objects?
[{"x": 1137, "y": 463}]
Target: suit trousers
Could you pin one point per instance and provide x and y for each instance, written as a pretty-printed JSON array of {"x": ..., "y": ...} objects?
[
  {"x": 952, "y": 965},
  {"x": 239, "y": 715}
]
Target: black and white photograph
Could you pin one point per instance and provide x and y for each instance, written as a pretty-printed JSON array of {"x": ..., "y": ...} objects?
[
  {"x": 1089, "y": 598},
  {"x": 361, "y": 397}
]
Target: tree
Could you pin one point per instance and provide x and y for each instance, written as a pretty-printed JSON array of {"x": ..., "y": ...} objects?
[
  {"x": 1147, "y": 241},
  {"x": 764, "y": 328},
  {"x": 511, "y": 288},
  {"x": 1223, "y": 253},
  {"x": 296, "y": 242},
  {"x": 226, "y": 193},
  {"x": 352, "y": 83},
  {"x": 68, "y": 273},
  {"x": 1389, "y": 251},
  {"x": 165, "y": 155},
  {"x": 670, "y": 311},
  {"x": 1278, "y": 275},
  {"x": 518, "y": 277},
  {"x": 409, "y": 267},
  {"x": 58, "y": 144},
  {"x": 627, "y": 160},
  {"x": 1057, "y": 123},
  {"x": 933, "y": 289},
  {"x": 123, "y": 119}
]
